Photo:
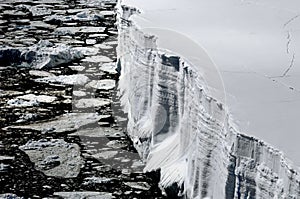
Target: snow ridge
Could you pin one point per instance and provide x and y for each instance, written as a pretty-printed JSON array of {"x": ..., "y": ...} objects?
[{"x": 178, "y": 128}]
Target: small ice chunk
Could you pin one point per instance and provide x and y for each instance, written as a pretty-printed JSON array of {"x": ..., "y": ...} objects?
[
  {"x": 138, "y": 185},
  {"x": 91, "y": 102},
  {"x": 21, "y": 103},
  {"x": 104, "y": 84},
  {"x": 98, "y": 58},
  {"x": 98, "y": 35},
  {"x": 9, "y": 195},
  {"x": 79, "y": 93},
  {"x": 87, "y": 194},
  {"x": 109, "y": 68},
  {"x": 77, "y": 68},
  {"x": 38, "y": 98},
  {"x": 105, "y": 154},
  {"x": 96, "y": 180},
  {"x": 78, "y": 79},
  {"x": 3, "y": 158},
  {"x": 88, "y": 51},
  {"x": 75, "y": 30},
  {"x": 116, "y": 144},
  {"x": 90, "y": 41},
  {"x": 39, "y": 73},
  {"x": 107, "y": 13},
  {"x": 9, "y": 93},
  {"x": 39, "y": 10},
  {"x": 103, "y": 46}
]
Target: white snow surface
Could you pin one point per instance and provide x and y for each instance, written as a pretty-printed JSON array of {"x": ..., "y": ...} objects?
[{"x": 180, "y": 127}]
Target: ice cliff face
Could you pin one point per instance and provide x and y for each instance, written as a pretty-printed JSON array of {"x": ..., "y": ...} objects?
[{"x": 178, "y": 128}]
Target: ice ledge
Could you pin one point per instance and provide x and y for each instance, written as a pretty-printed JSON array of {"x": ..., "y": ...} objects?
[{"x": 200, "y": 155}]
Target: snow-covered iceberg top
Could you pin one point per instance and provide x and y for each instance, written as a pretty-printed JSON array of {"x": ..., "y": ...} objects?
[{"x": 179, "y": 124}]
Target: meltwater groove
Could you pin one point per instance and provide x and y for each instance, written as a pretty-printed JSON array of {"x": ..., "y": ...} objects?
[{"x": 179, "y": 128}]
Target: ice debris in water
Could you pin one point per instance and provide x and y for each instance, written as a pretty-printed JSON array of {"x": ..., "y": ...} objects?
[
  {"x": 44, "y": 54},
  {"x": 55, "y": 157}
]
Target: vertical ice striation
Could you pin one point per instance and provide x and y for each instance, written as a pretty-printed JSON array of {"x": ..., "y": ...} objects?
[{"x": 179, "y": 128}]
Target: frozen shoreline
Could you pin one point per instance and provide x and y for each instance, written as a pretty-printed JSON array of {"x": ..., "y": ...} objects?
[{"x": 197, "y": 147}]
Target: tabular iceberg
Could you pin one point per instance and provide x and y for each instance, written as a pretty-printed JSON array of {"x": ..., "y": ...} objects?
[{"x": 179, "y": 127}]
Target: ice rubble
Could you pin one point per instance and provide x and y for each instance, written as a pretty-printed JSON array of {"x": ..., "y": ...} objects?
[
  {"x": 44, "y": 54},
  {"x": 198, "y": 149}
]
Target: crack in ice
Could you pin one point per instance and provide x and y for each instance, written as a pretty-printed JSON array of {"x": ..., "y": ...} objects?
[
  {"x": 290, "y": 66},
  {"x": 273, "y": 78},
  {"x": 289, "y": 38},
  {"x": 290, "y": 20}
]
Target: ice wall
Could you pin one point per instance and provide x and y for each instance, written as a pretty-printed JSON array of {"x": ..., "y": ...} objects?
[{"x": 178, "y": 128}]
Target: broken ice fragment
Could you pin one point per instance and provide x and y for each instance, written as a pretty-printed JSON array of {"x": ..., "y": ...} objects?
[
  {"x": 65, "y": 123},
  {"x": 55, "y": 157},
  {"x": 103, "y": 84},
  {"x": 78, "y": 79},
  {"x": 76, "y": 30},
  {"x": 39, "y": 73},
  {"x": 84, "y": 195},
  {"x": 105, "y": 154},
  {"x": 138, "y": 185},
  {"x": 91, "y": 102},
  {"x": 44, "y": 54},
  {"x": 109, "y": 68},
  {"x": 97, "y": 59},
  {"x": 38, "y": 98}
]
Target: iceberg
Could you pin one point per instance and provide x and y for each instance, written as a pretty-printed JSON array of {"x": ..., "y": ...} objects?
[
  {"x": 42, "y": 55},
  {"x": 180, "y": 124}
]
